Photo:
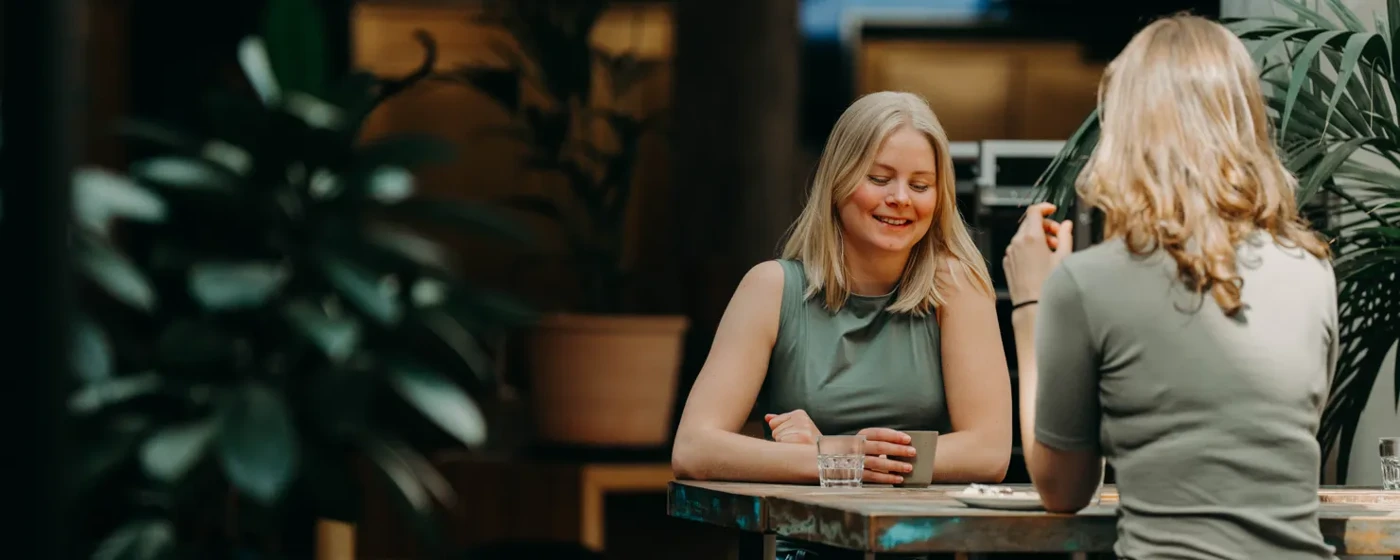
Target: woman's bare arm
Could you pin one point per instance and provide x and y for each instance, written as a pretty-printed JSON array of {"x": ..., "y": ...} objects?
[
  {"x": 976, "y": 382},
  {"x": 708, "y": 444}
]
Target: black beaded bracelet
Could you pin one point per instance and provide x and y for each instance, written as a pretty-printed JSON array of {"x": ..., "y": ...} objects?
[{"x": 1024, "y": 303}]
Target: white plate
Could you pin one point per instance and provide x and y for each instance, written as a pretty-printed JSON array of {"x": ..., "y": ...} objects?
[{"x": 1016, "y": 503}]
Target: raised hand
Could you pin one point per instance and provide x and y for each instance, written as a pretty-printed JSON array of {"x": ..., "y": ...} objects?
[{"x": 793, "y": 427}]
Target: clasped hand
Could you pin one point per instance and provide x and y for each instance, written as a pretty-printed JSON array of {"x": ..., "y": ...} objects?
[{"x": 797, "y": 427}]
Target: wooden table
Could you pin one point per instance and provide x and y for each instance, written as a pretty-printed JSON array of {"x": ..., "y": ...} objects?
[{"x": 1357, "y": 521}]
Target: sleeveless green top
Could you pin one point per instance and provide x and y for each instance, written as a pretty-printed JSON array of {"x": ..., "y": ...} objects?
[{"x": 860, "y": 367}]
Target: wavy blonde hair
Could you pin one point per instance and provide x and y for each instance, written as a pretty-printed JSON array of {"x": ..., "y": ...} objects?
[
  {"x": 1186, "y": 161},
  {"x": 815, "y": 238}
]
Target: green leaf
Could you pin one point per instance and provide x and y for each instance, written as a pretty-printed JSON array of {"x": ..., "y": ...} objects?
[
  {"x": 410, "y": 245},
  {"x": 440, "y": 400},
  {"x": 338, "y": 337},
  {"x": 411, "y": 474},
  {"x": 221, "y": 286},
  {"x": 1329, "y": 165},
  {"x": 115, "y": 274},
  {"x": 1301, "y": 65},
  {"x": 1305, "y": 13},
  {"x": 142, "y": 539},
  {"x": 252, "y": 57},
  {"x": 258, "y": 442},
  {"x": 315, "y": 112},
  {"x": 185, "y": 173},
  {"x": 294, "y": 31},
  {"x": 99, "y": 196},
  {"x": 462, "y": 342},
  {"x": 390, "y": 184},
  {"x": 1346, "y": 16},
  {"x": 173, "y": 451},
  {"x": 92, "y": 354},
  {"x": 100, "y": 394},
  {"x": 363, "y": 289},
  {"x": 1351, "y": 55}
]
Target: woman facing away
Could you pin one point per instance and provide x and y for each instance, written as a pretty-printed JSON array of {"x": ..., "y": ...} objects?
[
  {"x": 879, "y": 317},
  {"x": 1193, "y": 348}
]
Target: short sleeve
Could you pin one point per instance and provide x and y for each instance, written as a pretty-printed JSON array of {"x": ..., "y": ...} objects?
[{"x": 1067, "y": 399}]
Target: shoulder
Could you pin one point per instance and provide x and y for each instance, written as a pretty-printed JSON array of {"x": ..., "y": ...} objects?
[
  {"x": 765, "y": 279},
  {"x": 955, "y": 279}
]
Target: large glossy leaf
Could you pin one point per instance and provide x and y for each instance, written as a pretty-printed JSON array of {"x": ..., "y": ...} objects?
[
  {"x": 441, "y": 400},
  {"x": 462, "y": 342},
  {"x": 338, "y": 337},
  {"x": 174, "y": 450},
  {"x": 141, "y": 539},
  {"x": 185, "y": 173},
  {"x": 219, "y": 286},
  {"x": 252, "y": 57},
  {"x": 92, "y": 353},
  {"x": 115, "y": 274},
  {"x": 414, "y": 486},
  {"x": 367, "y": 291},
  {"x": 258, "y": 442},
  {"x": 100, "y": 195},
  {"x": 96, "y": 395}
]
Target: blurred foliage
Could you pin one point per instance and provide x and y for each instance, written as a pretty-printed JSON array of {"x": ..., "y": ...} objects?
[
  {"x": 1333, "y": 90},
  {"x": 281, "y": 301},
  {"x": 572, "y": 126}
]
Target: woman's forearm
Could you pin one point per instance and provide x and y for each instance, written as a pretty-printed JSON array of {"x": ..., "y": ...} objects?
[
  {"x": 712, "y": 454},
  {"x": 1023, "y": 332},
  {"x": 964, "y": 457}
]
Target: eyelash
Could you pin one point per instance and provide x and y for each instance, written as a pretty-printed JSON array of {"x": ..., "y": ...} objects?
[{"x": 881, "y": 181}]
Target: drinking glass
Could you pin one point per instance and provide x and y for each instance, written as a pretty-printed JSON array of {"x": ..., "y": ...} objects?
[
  {"x": 840, "y": 461},
  {"x": 1390, "y": 463}
]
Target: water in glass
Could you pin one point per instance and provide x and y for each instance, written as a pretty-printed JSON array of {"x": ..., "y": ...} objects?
[
  {"x": 840, "y": 471},
  {"x": 1390, "y": 463},
  {"x": 840, "y": 461}
]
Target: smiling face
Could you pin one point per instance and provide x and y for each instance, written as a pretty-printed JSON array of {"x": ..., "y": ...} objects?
[{"x": 892, "y": 207}]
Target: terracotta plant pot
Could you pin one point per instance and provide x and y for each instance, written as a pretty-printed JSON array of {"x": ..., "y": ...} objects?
[{"x": 605, "y": 380}]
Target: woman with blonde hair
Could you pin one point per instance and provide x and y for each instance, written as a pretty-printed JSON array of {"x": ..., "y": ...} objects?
[
  {"x": 1193, "y": 347},
  {"x": 879, "y": 317}
]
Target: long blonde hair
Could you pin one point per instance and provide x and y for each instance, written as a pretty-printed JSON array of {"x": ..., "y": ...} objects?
[
  {"x": 815, "y": 237},
  {"x": 1186, "y": 161}
]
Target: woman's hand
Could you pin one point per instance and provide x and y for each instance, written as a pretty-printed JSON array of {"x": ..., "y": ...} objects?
[
  {"x": 793, "y": 427},
  {"x": 1037, "y": 248},
  {"x": 879, "y": 444}
]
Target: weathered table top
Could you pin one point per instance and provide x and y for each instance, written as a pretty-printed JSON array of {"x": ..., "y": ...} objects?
[{"x": 884, "y": 519}]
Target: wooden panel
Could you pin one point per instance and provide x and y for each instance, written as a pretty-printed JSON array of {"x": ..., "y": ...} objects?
[
  {"x": 969, "y": 88},
  {"x": 987, "y": 89}
]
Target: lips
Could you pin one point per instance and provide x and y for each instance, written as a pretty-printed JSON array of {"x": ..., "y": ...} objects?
[{"x": 893, "y": 222}]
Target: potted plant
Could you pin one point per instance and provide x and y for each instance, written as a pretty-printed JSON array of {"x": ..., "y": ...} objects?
[
  {"x": 271, "y": 310},
  {"x": 1332, "y": 90},
  {"x": 599, "y": 376}
]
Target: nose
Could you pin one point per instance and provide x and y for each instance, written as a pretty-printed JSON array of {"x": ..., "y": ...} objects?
[{"x": 899, "y": 196}]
